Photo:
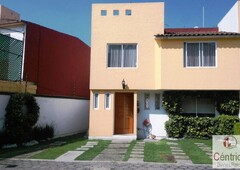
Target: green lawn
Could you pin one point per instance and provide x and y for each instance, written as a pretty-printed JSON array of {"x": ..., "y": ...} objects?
[
  {"x": 93, "y": 152},
  {"x": 194, "y": 152},
  {"x": 12, "y": 152},
  {"x": 158, "y": 152},
  {"x": 129, "y": 150},
  {"x": 153, "y": 151},
  {"x": 54, "y": 152}
]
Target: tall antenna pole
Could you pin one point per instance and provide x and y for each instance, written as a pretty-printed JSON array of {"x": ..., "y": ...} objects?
[{"x": 203, "y": 16}]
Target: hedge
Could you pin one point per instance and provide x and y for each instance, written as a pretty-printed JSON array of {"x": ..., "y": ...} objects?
[
  {"x": 237, "y": 129},
  {"x": 180, "y": 126}
]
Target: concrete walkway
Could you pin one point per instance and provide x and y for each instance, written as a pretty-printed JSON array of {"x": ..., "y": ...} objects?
[
  {"x": 205, "y": 148},
  {"x": 178, "y": 153},
  {"x": 137, "y": 154},
  {"x": 114, "y": 152},
  {"x": 72, "y": 155}
]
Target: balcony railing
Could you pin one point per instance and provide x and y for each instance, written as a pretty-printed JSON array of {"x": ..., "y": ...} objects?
[{"x": 11, "y": 58}]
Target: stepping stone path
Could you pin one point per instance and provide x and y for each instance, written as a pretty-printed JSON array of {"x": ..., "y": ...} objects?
[
  {"x": 205, "y": 148},
  {"x": 115, "y": 151},
  {"x": 178, "y": 153},
  {"x": 137, "y": 154},
  {"x": 72, "y": 155}
]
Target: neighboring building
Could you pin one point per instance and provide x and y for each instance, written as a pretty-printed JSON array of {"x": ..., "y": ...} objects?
[
  {"x": 53, "y": 65},
  {"x": 134, "y": 60},
  {"x": 8, "y": 15},
  {"x": 42, "y": 61}
]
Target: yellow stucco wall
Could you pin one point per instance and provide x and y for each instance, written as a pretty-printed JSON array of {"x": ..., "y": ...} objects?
[
  {"x": 102, "y": 120},
  {"x": 147, "y": 19},
  {"x": 225, "y": 76}
]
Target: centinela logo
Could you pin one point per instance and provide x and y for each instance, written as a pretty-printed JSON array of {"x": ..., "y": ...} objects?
[{"x": 230, "y": 142}]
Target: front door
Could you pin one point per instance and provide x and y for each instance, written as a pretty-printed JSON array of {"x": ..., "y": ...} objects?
[{"x": 123, "y": 113}]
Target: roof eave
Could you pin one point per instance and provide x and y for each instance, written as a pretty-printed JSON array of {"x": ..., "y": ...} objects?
[{"x": 194, "y": 37}]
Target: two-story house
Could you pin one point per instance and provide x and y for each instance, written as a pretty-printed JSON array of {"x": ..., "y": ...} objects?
[{"x": 134, "y": 59}]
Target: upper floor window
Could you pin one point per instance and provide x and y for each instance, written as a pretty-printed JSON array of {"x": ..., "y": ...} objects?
[
  {"x": 115, "y": 12},
  {"x": 122, "y": 55},
  {"x": 103, "y": 12},
  {"x": 200, "y": 54},
  {"x": 128, "y": 12}
]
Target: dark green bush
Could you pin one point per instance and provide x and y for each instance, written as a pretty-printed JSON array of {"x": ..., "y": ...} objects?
[
  {"x": 176, "y": 126},
  {"x": 172, "y": 101},
  {"x": 237, "y": 129},
  {"x": 227, "y": 102},
  {"x": 42, "y": 133},
  {"x": 200, "y": 127},
  {"x": 22, "y": 113},
  {"x": 223, "y": 124}
]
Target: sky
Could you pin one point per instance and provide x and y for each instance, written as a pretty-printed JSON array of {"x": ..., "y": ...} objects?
[{"x": 73, "y": 17}]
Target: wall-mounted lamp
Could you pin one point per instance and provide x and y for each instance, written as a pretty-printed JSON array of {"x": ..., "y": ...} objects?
[{"x": 123, "y": 84}]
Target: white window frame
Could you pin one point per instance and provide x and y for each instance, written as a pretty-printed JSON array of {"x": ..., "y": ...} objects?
[
  {"x": 109, "y": 101},
  {"x": 200, "y": 52},
  {"x": 122, "y": 67},
  {"x": 95, "y": 100}
]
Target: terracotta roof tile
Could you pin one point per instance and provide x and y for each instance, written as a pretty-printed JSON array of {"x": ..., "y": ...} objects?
[{"x": 195, "y": 32}]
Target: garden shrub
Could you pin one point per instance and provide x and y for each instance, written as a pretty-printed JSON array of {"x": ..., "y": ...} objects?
[
  {"x": 200, "y": 127},
  {"x": 180, "y": 126},
  {"x": 172, "y": 101},
  {"x": 42, "y": 133},
  {"x": 22, "y": 113},
  {"x": 223, "y": 124},
  {"x": 176, "y": 126},
  {"x": 237, "y": 129},
  {"x": 227, "y": 102}
]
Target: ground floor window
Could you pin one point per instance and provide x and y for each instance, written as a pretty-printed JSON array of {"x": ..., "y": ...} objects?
[
  {"x": 146, "y": 101},
  {"x": 157, "y": 101},
  {"x": 197, "y": 106},
  {"x": 107, "y": 101},
  {"x": 96, "y": 100}
]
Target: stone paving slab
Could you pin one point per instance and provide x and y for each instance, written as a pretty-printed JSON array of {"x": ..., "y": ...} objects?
[
  {"x": 178, "y": 153},
  {"x": 113, "y": 145},
  {"x": 172, "y": 143},
  {"x": 121, "y": 141},
  {"x": 109, "y": 157},
  {"x": 136, "y": 156},
  {"x": 137, "y": 152},
  {"x": 184, "y": 157},
  {"x": 87, "y": 146},
  {"x": 199, "y": 144},
  {"x": 82, "y": 149},
  {"x": 138, "y": 149},
  {"x": 184, "y": 162},
  {"x": 177, "y": 150},
  {"x": 135, "y": 160},
  {"x": 175, "y": 147},
  {"x": 69, "y": 156},
  {"x": 114, "y": 151}
]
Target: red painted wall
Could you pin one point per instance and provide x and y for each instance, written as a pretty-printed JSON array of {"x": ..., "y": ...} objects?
[{"x": 57, "y": 62}]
